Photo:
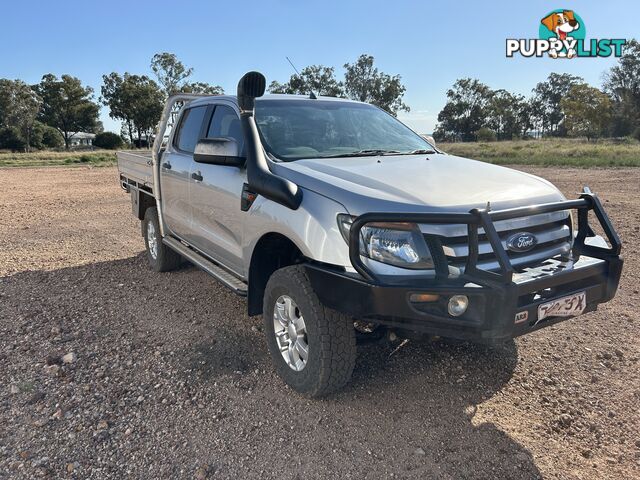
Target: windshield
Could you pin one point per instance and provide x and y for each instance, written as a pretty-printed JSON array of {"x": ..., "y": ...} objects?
[{"x": 297, "y": 129}]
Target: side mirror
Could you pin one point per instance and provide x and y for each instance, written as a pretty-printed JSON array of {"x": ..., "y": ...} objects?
[
  {"x": 429, "y": 139},
  {"x": 219, "y": 151}
]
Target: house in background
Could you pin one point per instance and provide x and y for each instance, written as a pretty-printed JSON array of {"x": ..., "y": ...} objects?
[{"x": 81, "y": 139}]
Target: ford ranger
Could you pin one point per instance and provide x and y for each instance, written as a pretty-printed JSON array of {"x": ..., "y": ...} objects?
[{"x": 337, "y": 221}]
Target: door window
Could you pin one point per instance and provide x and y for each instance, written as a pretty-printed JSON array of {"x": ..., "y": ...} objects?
[
  {"x": 225, "y": 123},
  {"x": 190, "y": 128}
]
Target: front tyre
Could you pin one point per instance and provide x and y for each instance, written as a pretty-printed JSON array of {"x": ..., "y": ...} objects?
[
  {"x": 161, "y": 258},
  {"x": 312, "y": 347}
]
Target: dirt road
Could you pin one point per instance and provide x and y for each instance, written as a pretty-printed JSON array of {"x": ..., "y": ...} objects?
[{"x": 168, "y": 378}]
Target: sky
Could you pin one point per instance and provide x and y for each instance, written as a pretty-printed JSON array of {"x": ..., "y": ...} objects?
[{"x": 428, "y": 44}]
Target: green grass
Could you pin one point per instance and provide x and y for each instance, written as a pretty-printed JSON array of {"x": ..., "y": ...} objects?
[
  {"x": 99, "y": 158},
  {"x": 551, "y": 152},
  {"x": 547, "y": 152}
]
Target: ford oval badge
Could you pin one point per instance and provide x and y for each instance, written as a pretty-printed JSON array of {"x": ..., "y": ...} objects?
[{"x": 521, "y": 242}]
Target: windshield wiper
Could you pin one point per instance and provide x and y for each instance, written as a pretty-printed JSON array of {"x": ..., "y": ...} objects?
[
  {"x": 364, "y": 153},
  {"x": 420, "y": 151}
]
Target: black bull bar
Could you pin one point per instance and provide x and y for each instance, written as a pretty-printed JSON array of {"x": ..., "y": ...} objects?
[
  {"x": 484, "y": 218},
  {"x": 503, "y": 303}
]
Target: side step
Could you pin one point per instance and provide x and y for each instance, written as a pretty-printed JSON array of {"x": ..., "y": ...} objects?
[{"x": 227, "y": 279}]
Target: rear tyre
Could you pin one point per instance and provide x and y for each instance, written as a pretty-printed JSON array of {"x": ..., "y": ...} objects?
[
  {"x": 161, "y": 258},
  {"x": 312, "y": 347}
]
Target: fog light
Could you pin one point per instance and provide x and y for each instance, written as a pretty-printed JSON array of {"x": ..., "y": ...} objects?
[
  {"x": 458, "y": 305},
  {"x": 423, "y": 297}
]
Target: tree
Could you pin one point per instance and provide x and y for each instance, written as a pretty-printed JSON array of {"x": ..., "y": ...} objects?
[
  {"x": 625, "y": 116},
  {"x": 537, "y": 115},
  {"x": 172, "y": 75},
  {"x": 170, "y": 71},
  {"x": 363, "y": 82},
  {"x": 486, "y": 134},
  {"x": 526, "y": 117},
  {"x": 622, "y": 83},
  {"x": 548, "y": 95},
  {"x": 118, "y": 98},
  {"x": 67, "y": 106},
  {"x": 45, "y": 137},
  {"x": 136, "y": 100},
  {"x": 587, "y": 111},
  {"x": 506, "y": 114},
  {"x": 107, "y": 140},
  {"x": 465, "y": 111},
  {"x": 10, "y": 139},
  {"x": 318, "y": 79},
  {"x": 50, "y": 136},
  {"x": 202, "y": 88},
  {"x": 19, "y": 107}
]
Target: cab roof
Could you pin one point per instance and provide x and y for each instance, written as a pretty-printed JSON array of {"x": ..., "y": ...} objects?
[{"x": 205, "y": 100}]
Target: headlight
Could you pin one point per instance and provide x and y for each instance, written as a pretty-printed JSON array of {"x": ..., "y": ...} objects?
[{"x": 398, "y": 244}]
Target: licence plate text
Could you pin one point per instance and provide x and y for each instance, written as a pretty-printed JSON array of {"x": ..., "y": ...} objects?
[{"x": 568, "y": 306}]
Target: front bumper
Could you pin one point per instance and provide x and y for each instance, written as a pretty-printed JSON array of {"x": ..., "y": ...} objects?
[
  {"x": 493, "y": 311},
  {"x": 497, "y": 300}
]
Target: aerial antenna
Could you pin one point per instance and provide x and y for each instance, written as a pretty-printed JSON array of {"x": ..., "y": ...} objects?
[{"x": 312, "y": 95}]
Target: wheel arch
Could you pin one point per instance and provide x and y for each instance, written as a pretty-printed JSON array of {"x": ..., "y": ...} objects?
[
  {"x": 141, "y": 201},
  {"x": 272, "y": 252}
]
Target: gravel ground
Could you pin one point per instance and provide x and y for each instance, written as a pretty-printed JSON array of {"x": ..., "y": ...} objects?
[{"x": 111, "y": 371}]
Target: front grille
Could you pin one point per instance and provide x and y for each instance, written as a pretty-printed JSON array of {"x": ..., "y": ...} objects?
[{"x": 553, "y": 233}]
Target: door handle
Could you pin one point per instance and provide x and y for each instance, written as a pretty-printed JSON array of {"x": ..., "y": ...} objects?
[
  {"x": 197, "y": 176},
  {"x": 166, "y": 165}
]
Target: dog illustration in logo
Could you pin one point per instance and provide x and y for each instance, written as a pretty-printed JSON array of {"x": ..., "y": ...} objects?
[{"x": 561, "y": 24}]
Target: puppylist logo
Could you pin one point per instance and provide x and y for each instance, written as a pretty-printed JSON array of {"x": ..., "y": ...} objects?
[{"x": 562, "y": 35}]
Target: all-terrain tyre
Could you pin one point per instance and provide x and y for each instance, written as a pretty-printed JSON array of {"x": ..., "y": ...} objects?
[
  {"x": 161, "y": 258},
  {"x": 312, "y": 347}
]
